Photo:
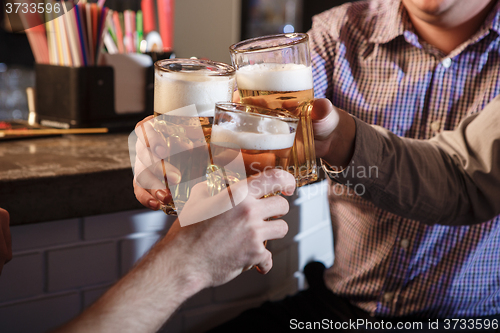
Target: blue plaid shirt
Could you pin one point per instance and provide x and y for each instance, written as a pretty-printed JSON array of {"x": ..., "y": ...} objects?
[{"x": 369, "y": 61}]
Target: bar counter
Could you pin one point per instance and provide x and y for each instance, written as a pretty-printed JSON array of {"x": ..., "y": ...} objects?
[{"x": 63, "y": 177}]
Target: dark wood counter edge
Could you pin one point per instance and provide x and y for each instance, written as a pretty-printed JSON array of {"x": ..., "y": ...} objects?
[{"x": 66, "y": 197}]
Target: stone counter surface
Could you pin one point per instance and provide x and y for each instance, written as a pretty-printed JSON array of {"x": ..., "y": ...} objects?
[{"x": 64, "y": 177}]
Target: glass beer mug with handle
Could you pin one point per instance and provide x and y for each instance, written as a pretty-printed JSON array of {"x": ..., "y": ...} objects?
[
  {"x": 262, "y": 138},
  {"x": 181, "y": 86},
  {"x": 275, "y": 72}
]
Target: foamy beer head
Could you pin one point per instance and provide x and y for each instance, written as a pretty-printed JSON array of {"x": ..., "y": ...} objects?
[
  {"x": 273, "y": 77},
  {"x": 263, "y": 136},
  {"x": 276, "y": 63},
  {"x": 183, "y": 82}
]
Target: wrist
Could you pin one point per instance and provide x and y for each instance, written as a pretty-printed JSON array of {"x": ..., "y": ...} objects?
[
  {"x": 342, "y": 143},
  {"x": 184, "y": 272}
]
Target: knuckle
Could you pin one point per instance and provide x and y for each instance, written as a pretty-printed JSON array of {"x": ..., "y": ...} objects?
[
  {"x": 246, "y": 209},
  {"x": 253, "y": 235},
  {"x": 199, "y": 187}
]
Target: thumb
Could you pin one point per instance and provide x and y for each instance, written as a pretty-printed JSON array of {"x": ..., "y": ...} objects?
[{"x": 325, "y": 118}]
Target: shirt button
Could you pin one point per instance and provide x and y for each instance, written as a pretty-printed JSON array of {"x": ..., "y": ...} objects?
[
  {"x": 446, "y": 63},
  {"x": 405, "y": 243},
  {"x": 435, "y": 126},
  {"x": 388, "y": 297}
]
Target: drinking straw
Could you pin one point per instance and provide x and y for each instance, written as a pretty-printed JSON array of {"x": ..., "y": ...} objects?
[
  {"x": 35, "y": 30},
  {"x": 110, "y": 44},
  {"x": 165, "y": 18},
  {"x": 95, "y": 23},
  {"x": 60, "y": 55},
  {"x": 80, "y": 34},
  {"x": 63, "y": 39},
  {"x": 133, "y": 30},
  {"x": 147, "y": 7},
  {"x": 51, "y": 38},
  {"x": 140, "y": 35},
  {"x": 71, "y": 33},
  {"x": 118, "y": 32},
  {"x": 128, "y": 32},
  {"x": 102, "y": 25},
  {"x": 90, "y": 41},
  {"x": 122, "y": 21}
]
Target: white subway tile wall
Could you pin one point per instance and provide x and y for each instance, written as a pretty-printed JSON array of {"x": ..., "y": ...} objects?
[{"x": 61, "y": 267}]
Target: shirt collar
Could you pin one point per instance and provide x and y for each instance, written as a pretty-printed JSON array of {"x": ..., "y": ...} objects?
[
  {"x": 391, "y": 20},
  {"x": 493, "y": 20}
]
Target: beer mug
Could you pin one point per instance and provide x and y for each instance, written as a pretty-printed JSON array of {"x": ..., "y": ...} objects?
[
  {"x": 262, "y": 138},
  {"x": 275, "y": 72},
  {"x": 186, "y": 91}
]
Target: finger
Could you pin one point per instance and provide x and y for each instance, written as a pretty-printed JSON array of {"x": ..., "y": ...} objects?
[
  {"x": 325, "y": 118},
  {"x": 4, "y": 253},
  {"x": 275, "y": 229},
  {"x": 145, "y": 198},
  {"x": 148, "y": 118},
  {"x": 257, "y": 101},
  {"x": 270, "y": 181},
  {"x": 155, "y": 165},
  {"x": 236, "y": 96},
  {"x": 146, "y": 179},
  {"x": 275, "y": 206},
  {"x": 265, "y": 263},
  {"x": 144, "y": 153},
  {"x": 5, "y": 221},
  {"x": 151, "y": 139},
  {"x": 5, "y": 238}
]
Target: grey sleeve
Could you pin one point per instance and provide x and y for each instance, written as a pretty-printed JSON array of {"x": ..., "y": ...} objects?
[{"x": 426, "y": 181}]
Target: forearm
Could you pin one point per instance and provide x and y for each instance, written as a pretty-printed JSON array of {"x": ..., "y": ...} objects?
[
  {"x": 411, "y": 178},
  {"x": 144, "y": 299}
]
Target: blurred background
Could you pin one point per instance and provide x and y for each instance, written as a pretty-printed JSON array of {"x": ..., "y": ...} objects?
[{"x": 204, "y": 29}]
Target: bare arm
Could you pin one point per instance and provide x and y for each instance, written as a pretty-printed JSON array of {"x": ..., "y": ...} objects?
[{"x": 190, "y": 258}]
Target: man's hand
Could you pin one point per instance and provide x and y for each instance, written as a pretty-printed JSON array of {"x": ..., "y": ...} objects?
[
  {"x": 334, "y": 133},
  {"x": 217, "y": 250},
  {"x": 151, "y": 147},
  {"x": 5, "y": 240}
]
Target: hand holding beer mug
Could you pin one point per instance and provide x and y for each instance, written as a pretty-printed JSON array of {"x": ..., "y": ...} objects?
[
  {"x": 263, "y": 138},
  {"x": 185, "y": 94},
  {"x": 275, "y": 72}
]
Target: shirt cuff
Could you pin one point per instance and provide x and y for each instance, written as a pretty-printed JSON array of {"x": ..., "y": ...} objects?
[{"x": 364, "y": 166}]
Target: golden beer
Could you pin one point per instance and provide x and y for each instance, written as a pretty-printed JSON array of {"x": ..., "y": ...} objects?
[
  {"x": 289, "y": 88},
  {"x": 186, "y": 91},
  {"x": 275, "y": 72},
  {"x": 263, "y": 137},
  {"x": 255, "y": 160}
]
